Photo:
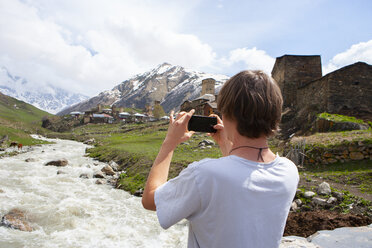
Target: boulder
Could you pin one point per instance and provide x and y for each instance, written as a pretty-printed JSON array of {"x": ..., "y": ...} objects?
[
  {"x": 309, "y": 194},
  {"x": 16, "y": 219},
  {"x": 58, "y": 163},
  {"x": 1, "y": 191},
  {"x": 324, "y": 189},
  {"x": 298, "y": 202},
  {"x": 98, "y": 174},
  {"x": 319, "y": 201},
  {"x": 114, "y": 165},
  {"x": 332, "y": 200},
  {"x": 294, "y": 206},
  {"x": 108, "y": 170}
]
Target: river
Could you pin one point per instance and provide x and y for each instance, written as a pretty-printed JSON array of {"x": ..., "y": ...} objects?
[{"x": 68, "y": 211}]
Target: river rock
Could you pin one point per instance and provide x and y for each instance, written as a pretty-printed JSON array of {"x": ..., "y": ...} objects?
[
  {"x": 309, "y": 194},
  {"x": 84, "y": 175},
  {"x": 30, "y": 160},
  {"x": 100, "y": 181},
  {"x": 90, "y": 141},
  {"x": 1, "y": 191},
  {"x": 114, "y": 165},
  {"x": 59, "y": 172},
  {"x": 98, "y": 174},
  {"x": 324, "y": 189},
  {"x": 138, "y": 193},
  {"x": 16, "y": 219},
  {"x": 108, "y": 170},
  {"x": 58, "y": 163}
]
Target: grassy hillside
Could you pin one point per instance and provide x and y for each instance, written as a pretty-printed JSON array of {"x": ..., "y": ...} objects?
[{"x": 19, "y": 119}]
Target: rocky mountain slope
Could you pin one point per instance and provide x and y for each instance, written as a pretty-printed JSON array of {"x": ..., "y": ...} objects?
[
  {"x": 169, "y": 84},
  {"x": 49, "y": 98}
]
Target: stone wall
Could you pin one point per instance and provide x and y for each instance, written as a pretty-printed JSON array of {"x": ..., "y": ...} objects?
[
  {"x": 314, "y": 95},
  {"x": 346, "y": 91},
  {"x": 293, "y": 71},
  {"x": 350, "y": 90},
  {"x": 353, "y": 151}
]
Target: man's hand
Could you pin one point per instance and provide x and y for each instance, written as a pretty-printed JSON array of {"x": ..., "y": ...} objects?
[{"x": 177, "y": 130}]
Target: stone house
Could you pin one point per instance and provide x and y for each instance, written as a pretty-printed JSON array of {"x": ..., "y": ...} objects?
[
  {"x": 205, "y": 104},
  {"x": 345, "y": 91}
]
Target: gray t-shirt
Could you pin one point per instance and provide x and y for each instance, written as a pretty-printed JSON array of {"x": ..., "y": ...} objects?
[{"x": 230, "y": 201}]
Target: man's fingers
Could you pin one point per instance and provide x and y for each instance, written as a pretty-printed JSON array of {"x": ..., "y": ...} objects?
[
  {"x": 218, "y": 126},
  {"x": 186, "y": 116},
  {"x": 171, "y": 116}
]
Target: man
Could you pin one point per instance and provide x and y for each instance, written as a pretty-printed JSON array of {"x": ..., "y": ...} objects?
[{"x": 243, "y": 198}]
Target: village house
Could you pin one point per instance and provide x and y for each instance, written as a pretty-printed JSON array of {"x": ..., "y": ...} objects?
[{"x": 205, "y": 104}]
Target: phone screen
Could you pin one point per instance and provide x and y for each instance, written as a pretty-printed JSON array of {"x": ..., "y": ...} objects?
[{"x": 204, "y": 124}]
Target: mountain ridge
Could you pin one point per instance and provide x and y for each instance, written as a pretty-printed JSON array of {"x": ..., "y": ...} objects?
[
  {"x": 169, "y": 84},
  {"x": 51, "y": 99}
]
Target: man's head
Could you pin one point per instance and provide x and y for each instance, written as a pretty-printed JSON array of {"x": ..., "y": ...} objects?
[{"x": 253, "y": 100}]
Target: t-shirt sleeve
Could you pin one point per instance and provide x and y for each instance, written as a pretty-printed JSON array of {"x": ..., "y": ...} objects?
[{"x": 178, "y": 198}]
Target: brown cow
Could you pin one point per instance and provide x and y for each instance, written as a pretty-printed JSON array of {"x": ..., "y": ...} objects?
[
  {"x": 13, "y": 144},
  {"x": 20, "y": 146}
]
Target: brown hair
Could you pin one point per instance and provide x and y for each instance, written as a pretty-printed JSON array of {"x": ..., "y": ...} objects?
[{"x": 252, "y": 99}]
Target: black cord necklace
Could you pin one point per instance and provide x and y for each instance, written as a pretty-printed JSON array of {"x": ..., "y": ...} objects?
[{"x": 253, "y": 147}]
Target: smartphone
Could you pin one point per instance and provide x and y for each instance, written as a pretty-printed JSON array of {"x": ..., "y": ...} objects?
[{"x": 204, "y": 124}]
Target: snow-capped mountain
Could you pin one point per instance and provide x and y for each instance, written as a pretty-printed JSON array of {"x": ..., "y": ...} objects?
[
  {"x": 48, "y": 98},
  {"x": 169, "y": 84}
]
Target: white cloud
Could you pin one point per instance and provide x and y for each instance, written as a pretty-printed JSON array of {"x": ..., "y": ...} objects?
[
  {"x": 357, "y": 52},
  {"x": 90, "y": 46},
  {"x": 245, "y": 59}
]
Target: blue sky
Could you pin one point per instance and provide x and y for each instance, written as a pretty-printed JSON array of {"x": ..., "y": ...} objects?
[{"x": 88, "y": 46}]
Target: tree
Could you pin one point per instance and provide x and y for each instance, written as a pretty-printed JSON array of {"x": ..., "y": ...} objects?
[{"x": 158, "y": 111}]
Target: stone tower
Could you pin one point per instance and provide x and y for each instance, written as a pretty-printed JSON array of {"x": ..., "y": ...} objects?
[
  {"x": 294, "y": 71},
  {"x": 208, "y": 86}
]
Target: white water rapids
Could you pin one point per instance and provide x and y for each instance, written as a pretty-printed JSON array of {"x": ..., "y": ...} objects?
[{"x": 68, "y": 211}]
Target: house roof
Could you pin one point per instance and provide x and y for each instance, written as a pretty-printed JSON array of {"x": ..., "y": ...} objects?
[
  {"x": 212, "y": 105},
  {"x": 102, "y": 116},
  {"x": 208, "y": 97},
  {"x": 76, "y": 113}
]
